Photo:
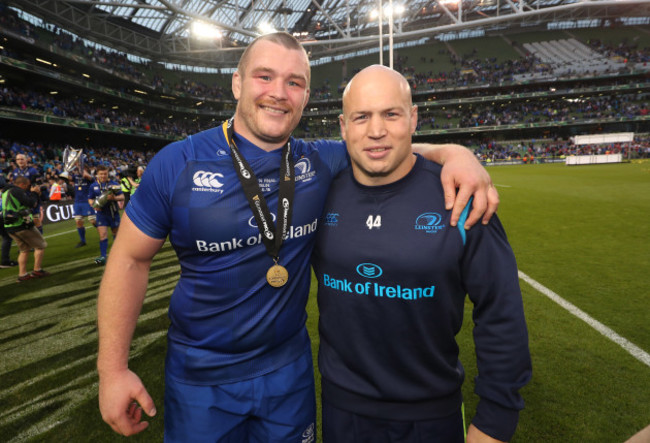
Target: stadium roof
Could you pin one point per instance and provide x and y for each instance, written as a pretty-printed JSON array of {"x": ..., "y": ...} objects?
[{"x": 161, "y": 30}]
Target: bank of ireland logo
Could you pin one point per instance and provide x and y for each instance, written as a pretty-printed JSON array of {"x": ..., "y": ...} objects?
[
  {"x": 303, "y": 170},
  {"x": 429, "y": 222},
  {"x": 207, "y": 181},
  {"x": 369, "y": 270}
]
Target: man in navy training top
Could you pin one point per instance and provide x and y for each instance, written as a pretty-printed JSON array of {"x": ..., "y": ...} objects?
[
  {"x": 238, "y": 365},
  {"x": 82, "y": 180},
  {"x": 392, "y": 277},
  {"x": 108, "y": 215}
]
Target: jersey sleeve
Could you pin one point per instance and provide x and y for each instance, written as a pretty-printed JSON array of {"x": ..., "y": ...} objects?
[
  {"x": 334, "y": 154},
  {"x": 150, "y": 208},
  {"x": 500, "y": 334}
]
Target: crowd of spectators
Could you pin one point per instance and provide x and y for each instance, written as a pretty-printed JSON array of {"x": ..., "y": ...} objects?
[
  {"x": 79, "y": 109},
  {"x": 468, "y": 69},
  {"x": 117, "y": 62},
  {"x": 10, "y": 20},
  {"x": 192, "y": 88},
  {"x": 628, "y": 52},
  {"x": 556, "y": 111},
  {"x": 499, "y": 114},
  {"x": 46, "y": 158},
  {"x": 112, "y": 60},
  {"x": 534, "y": 151}
]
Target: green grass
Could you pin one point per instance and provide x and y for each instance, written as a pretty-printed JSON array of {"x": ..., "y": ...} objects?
[{"x": 580, "y": 231}]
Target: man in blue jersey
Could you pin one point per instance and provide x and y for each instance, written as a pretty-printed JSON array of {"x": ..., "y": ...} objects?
[
  {"x": 240, "y": 204},
  {"x": 82, "y": 180},
  {"x": 392, "y": 278},
  {"x": 103, "y": 196}
]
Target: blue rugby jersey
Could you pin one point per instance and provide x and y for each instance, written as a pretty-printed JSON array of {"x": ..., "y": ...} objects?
[
  {"x": 95, "y": 190},
  {"x": 227, "y": 323},
  {"x": 392, "y": 279},
  {"x": 81, "y": 188},
  {"x": 30, "y": 172}
]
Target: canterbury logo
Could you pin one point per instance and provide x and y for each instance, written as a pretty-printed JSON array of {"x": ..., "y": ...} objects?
[{"x": 207, "y": 179}]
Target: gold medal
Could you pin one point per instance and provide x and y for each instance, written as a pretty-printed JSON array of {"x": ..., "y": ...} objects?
[{"x": 277, "y": 276}]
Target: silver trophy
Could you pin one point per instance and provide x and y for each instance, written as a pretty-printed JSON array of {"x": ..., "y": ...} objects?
[
  {"x": 101, "y": 201},
  {"x": 70, "y": 157}
]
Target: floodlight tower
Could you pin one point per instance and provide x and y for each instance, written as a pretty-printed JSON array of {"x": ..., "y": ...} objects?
[{"x": 390, "y": 12}]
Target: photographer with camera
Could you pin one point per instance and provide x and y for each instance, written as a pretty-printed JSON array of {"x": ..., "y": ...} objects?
[
  {"x": 104, "y": 196},
  {"x": 6, "y": 261},
  {"x": 17, "y": 206},
  {"x": 128, "y": 182},
  {"x": 24, "y": 169}
]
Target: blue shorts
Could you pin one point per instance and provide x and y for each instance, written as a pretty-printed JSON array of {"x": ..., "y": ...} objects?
[
  {"x": 340, "y": 426},
  {"x": 276, "y": 407},
  {"x": 82, "y": 209},
  {"x": 104, "y": 219}
]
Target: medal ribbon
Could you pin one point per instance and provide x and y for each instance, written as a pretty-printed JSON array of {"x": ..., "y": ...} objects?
[{"x": 271, "y": 236}]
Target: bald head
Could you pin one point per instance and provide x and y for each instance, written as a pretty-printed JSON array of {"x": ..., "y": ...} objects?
[
  {"x": 377, "y": 123},
  {"x": 377, "y": 76},
  {"x": 21, "y": 160}
]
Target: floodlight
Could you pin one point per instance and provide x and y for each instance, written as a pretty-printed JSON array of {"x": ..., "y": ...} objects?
[
  {"x": 266, "y": 28},
  {"x": 204, "y": 30}
]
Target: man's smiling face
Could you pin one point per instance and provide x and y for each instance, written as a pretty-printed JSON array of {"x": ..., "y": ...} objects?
[{"x": 271, "y": 94}]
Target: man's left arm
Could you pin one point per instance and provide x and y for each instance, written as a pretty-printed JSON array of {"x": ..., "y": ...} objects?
[
  {"x": 462, "y": 170},
  {"x": 490, "y": 277}
]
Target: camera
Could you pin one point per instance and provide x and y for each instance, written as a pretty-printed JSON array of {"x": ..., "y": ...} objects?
[
  {"x": 131, "y": 172},
  {"x": 23, "y": 215}
]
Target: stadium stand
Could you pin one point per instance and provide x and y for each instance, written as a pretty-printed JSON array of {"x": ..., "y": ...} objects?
[{"x": 476, "y": 91}]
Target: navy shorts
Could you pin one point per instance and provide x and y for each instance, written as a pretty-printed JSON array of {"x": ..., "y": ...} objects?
[
  {"x": 82, "y": 209},
  {"x": 340, "y": 426},
  {"x": 276, "y": 407},
  {"x": 106, "y": 220}
]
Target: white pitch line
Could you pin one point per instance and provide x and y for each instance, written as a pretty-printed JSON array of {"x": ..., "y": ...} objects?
[
  {"x": 502, "y": 186},
  {"x": 630, "y": 347},
  {"x": 59, "y": 233}
]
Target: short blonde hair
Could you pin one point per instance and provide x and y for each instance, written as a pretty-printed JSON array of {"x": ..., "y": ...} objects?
[{"x": 281, "y": 38}]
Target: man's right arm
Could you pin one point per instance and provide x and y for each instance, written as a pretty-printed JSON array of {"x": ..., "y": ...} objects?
[{"x": 121, "y": 296}]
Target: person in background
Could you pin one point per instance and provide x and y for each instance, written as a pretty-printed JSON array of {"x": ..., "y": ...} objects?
[
  {"x": 127, "y": 181},
  {"x": 17, "y": 205},
  {"x": 5, "y": 259},
  {"x": 55, "y": 190},
  {"x": 82, "y": 180},
  {"x": 24, "y": 169},
  {"x": 107, "y": 211}
]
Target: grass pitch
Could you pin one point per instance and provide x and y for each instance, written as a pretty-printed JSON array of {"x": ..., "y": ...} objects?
[{"x": 580, "y": 231}]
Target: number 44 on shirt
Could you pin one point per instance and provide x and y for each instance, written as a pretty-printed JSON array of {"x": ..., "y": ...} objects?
[{"x": 373, "y": 221}]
